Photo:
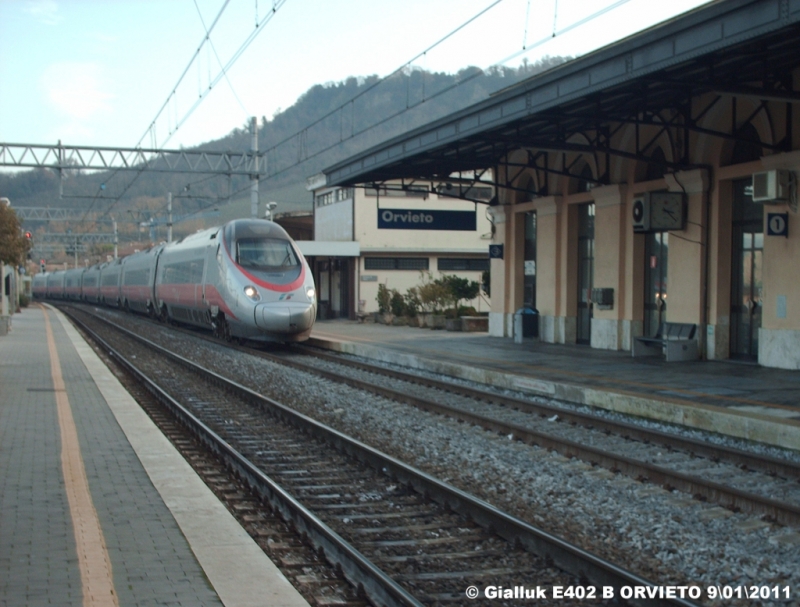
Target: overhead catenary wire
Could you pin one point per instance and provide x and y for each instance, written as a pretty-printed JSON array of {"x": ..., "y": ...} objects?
[
  {"x": 303, "y": 157},
  {"x": 223, "y": 73},
  {"x": 357, "y": 132},
  {"x": 353, "y": 131},
  {"x": 185, "y": 71},
  {"x": 259, "y": 27},
  {"x": 151, "y": 130},
  {"x": 219, "y": 61}
]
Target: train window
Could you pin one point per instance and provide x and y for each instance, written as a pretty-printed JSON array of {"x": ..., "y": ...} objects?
[{"x": 267, "y": 254}]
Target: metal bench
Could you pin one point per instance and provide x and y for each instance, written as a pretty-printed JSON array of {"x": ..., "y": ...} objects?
[{"x": 677, "y": 341}]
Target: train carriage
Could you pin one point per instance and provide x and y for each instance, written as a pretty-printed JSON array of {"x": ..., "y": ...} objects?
[
  {"x": 136, "y": 283},
  {"x": 110, "y": 274},
  {"x": 39, "y": 285},
  {"x": 73, "y": 281},
  {"x": 90, "y": 285},
  {"x": 55, "y": 285},
  {"x": 246, "y": 280}
]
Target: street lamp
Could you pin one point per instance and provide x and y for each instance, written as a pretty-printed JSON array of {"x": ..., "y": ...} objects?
[{"x": 270, "y": 207}]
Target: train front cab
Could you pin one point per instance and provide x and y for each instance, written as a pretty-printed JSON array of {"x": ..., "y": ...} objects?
[{"x": 274, "y": 276}]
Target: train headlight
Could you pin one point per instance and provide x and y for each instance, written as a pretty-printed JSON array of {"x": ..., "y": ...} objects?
[
  {"x": 311, "y": 293},
  {"x": 252, "y": 293}
]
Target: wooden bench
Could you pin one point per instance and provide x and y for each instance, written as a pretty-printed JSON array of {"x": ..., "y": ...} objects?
[{"x": 677, "y": 341}]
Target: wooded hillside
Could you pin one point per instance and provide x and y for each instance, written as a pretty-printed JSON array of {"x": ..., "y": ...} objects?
[{"x": 328, "y": 123}]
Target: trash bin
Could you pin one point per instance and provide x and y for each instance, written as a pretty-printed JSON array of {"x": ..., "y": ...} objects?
[{"x": 526, "y": 323}]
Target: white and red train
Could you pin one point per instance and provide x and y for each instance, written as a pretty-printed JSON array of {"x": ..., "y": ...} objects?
[{"x": 246, "y": 279}]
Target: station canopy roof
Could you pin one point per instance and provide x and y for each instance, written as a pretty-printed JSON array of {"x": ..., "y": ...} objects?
[{"x": 740, "y": 48}]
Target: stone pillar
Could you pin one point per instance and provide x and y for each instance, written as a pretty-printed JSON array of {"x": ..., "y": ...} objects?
[
  {"x": 779, "y": 335},
  {"x": 497, "y": 315},
  {"x": 610, "y": 330},
  {"x": 548, "y": 269},
  {"x": 688, "y": 289}
]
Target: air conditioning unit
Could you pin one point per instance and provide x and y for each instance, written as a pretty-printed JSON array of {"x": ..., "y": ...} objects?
[
  {"x": 771, "y": 187},
  {"x": 641, "y": 213}
]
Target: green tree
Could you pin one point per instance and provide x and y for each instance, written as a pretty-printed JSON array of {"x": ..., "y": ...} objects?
[
  {"x": 460, "y": 289},
  {"x": 433, "y": 295},
  {"x": 413, "y": 302},
  {"x": 384, "y": 299},
  {"x": 13, "y": 245},
  {"x": 397, "y": 303}
]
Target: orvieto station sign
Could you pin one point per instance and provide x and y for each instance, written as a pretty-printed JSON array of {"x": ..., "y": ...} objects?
[{"x": 416, "y": 219}]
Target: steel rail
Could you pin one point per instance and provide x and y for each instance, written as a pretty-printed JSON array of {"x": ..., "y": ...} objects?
[
  {"x": 768, "y": 464},
  {"x": 358, "y": 570},
  {"x": 563, "y": 554},
  {"x": 782, "y": 512}
]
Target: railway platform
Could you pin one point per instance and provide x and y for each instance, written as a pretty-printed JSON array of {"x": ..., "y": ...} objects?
[
  {"x": 742, "y": 400},
  {"x": 96, "y": 506}
]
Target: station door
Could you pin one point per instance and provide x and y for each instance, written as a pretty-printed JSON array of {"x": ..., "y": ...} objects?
[
  {"x": 585, "y": 272},
  {"x": 656, "y": 247},
  {"x": 747, "y": 253}
]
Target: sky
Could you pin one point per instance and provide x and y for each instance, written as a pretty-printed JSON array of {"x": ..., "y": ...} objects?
[{"x": 108, "y": 72}]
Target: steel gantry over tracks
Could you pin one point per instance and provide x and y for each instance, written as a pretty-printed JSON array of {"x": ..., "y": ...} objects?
[{"x": 58, "y": 156}]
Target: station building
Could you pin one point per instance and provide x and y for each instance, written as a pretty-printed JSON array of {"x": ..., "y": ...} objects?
[
  {"x": 394, "y": 235},
  {"x": 653, "y": 181}
]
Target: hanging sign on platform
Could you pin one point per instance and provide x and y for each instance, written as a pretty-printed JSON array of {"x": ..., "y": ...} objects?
[{"x": 416, "y": 219}]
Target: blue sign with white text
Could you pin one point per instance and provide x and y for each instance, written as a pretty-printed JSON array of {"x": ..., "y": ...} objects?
[{"x": 416, "y": 219}]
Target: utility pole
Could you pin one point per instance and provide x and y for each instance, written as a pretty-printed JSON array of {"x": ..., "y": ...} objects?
[
  {"x": 116, "y": 240},
  {"x": 60, "y": 171},
  {"x": 169, "y": 216},
  {"x": 254, "y": 174}
]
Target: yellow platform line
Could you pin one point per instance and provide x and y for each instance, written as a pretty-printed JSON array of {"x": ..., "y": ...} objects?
[{"x": 93, "y": 559}]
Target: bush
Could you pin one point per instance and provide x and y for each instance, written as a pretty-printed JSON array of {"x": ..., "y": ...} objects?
[
  {"x": 384, "y": 299},
  {"x": 460, "y": 289},
  {"x": 433, "y": 296},
  {"x": 397, "y": 303},
  {"x": 413, "y": 302},
  {"x": 24, "y": 300}
]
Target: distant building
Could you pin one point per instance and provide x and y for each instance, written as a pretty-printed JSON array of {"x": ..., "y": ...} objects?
[{"x": 364, "y": 237}]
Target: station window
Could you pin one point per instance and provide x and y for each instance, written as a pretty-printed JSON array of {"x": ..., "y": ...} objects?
[
  {"x": 412, "y": 191},
  {"x": 324, "y": 199},
  {"x": 445, "y": 264},
  {"x": 396, "y": 263},
  {"x": 336, "y": 195},
  {"x": 344, "y": 194}
]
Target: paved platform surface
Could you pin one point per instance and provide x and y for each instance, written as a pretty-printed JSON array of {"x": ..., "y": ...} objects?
[
  {"x": 96, "y": 506},
  {"x": 743, "y": 400}
]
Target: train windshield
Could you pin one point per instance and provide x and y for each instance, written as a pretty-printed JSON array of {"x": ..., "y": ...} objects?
[{"x": 266, "y": 254}]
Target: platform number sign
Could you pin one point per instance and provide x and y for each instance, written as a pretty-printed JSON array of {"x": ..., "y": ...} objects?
[{"x": 778, "y": 224}]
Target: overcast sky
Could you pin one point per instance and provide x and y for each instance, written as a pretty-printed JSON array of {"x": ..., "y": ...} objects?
[{"x": 97, "y": 72}]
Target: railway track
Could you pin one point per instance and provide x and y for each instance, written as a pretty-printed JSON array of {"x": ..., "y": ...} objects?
[
  {"x": 734, "y": 478},
  {"x": 403, "y": 537}
]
